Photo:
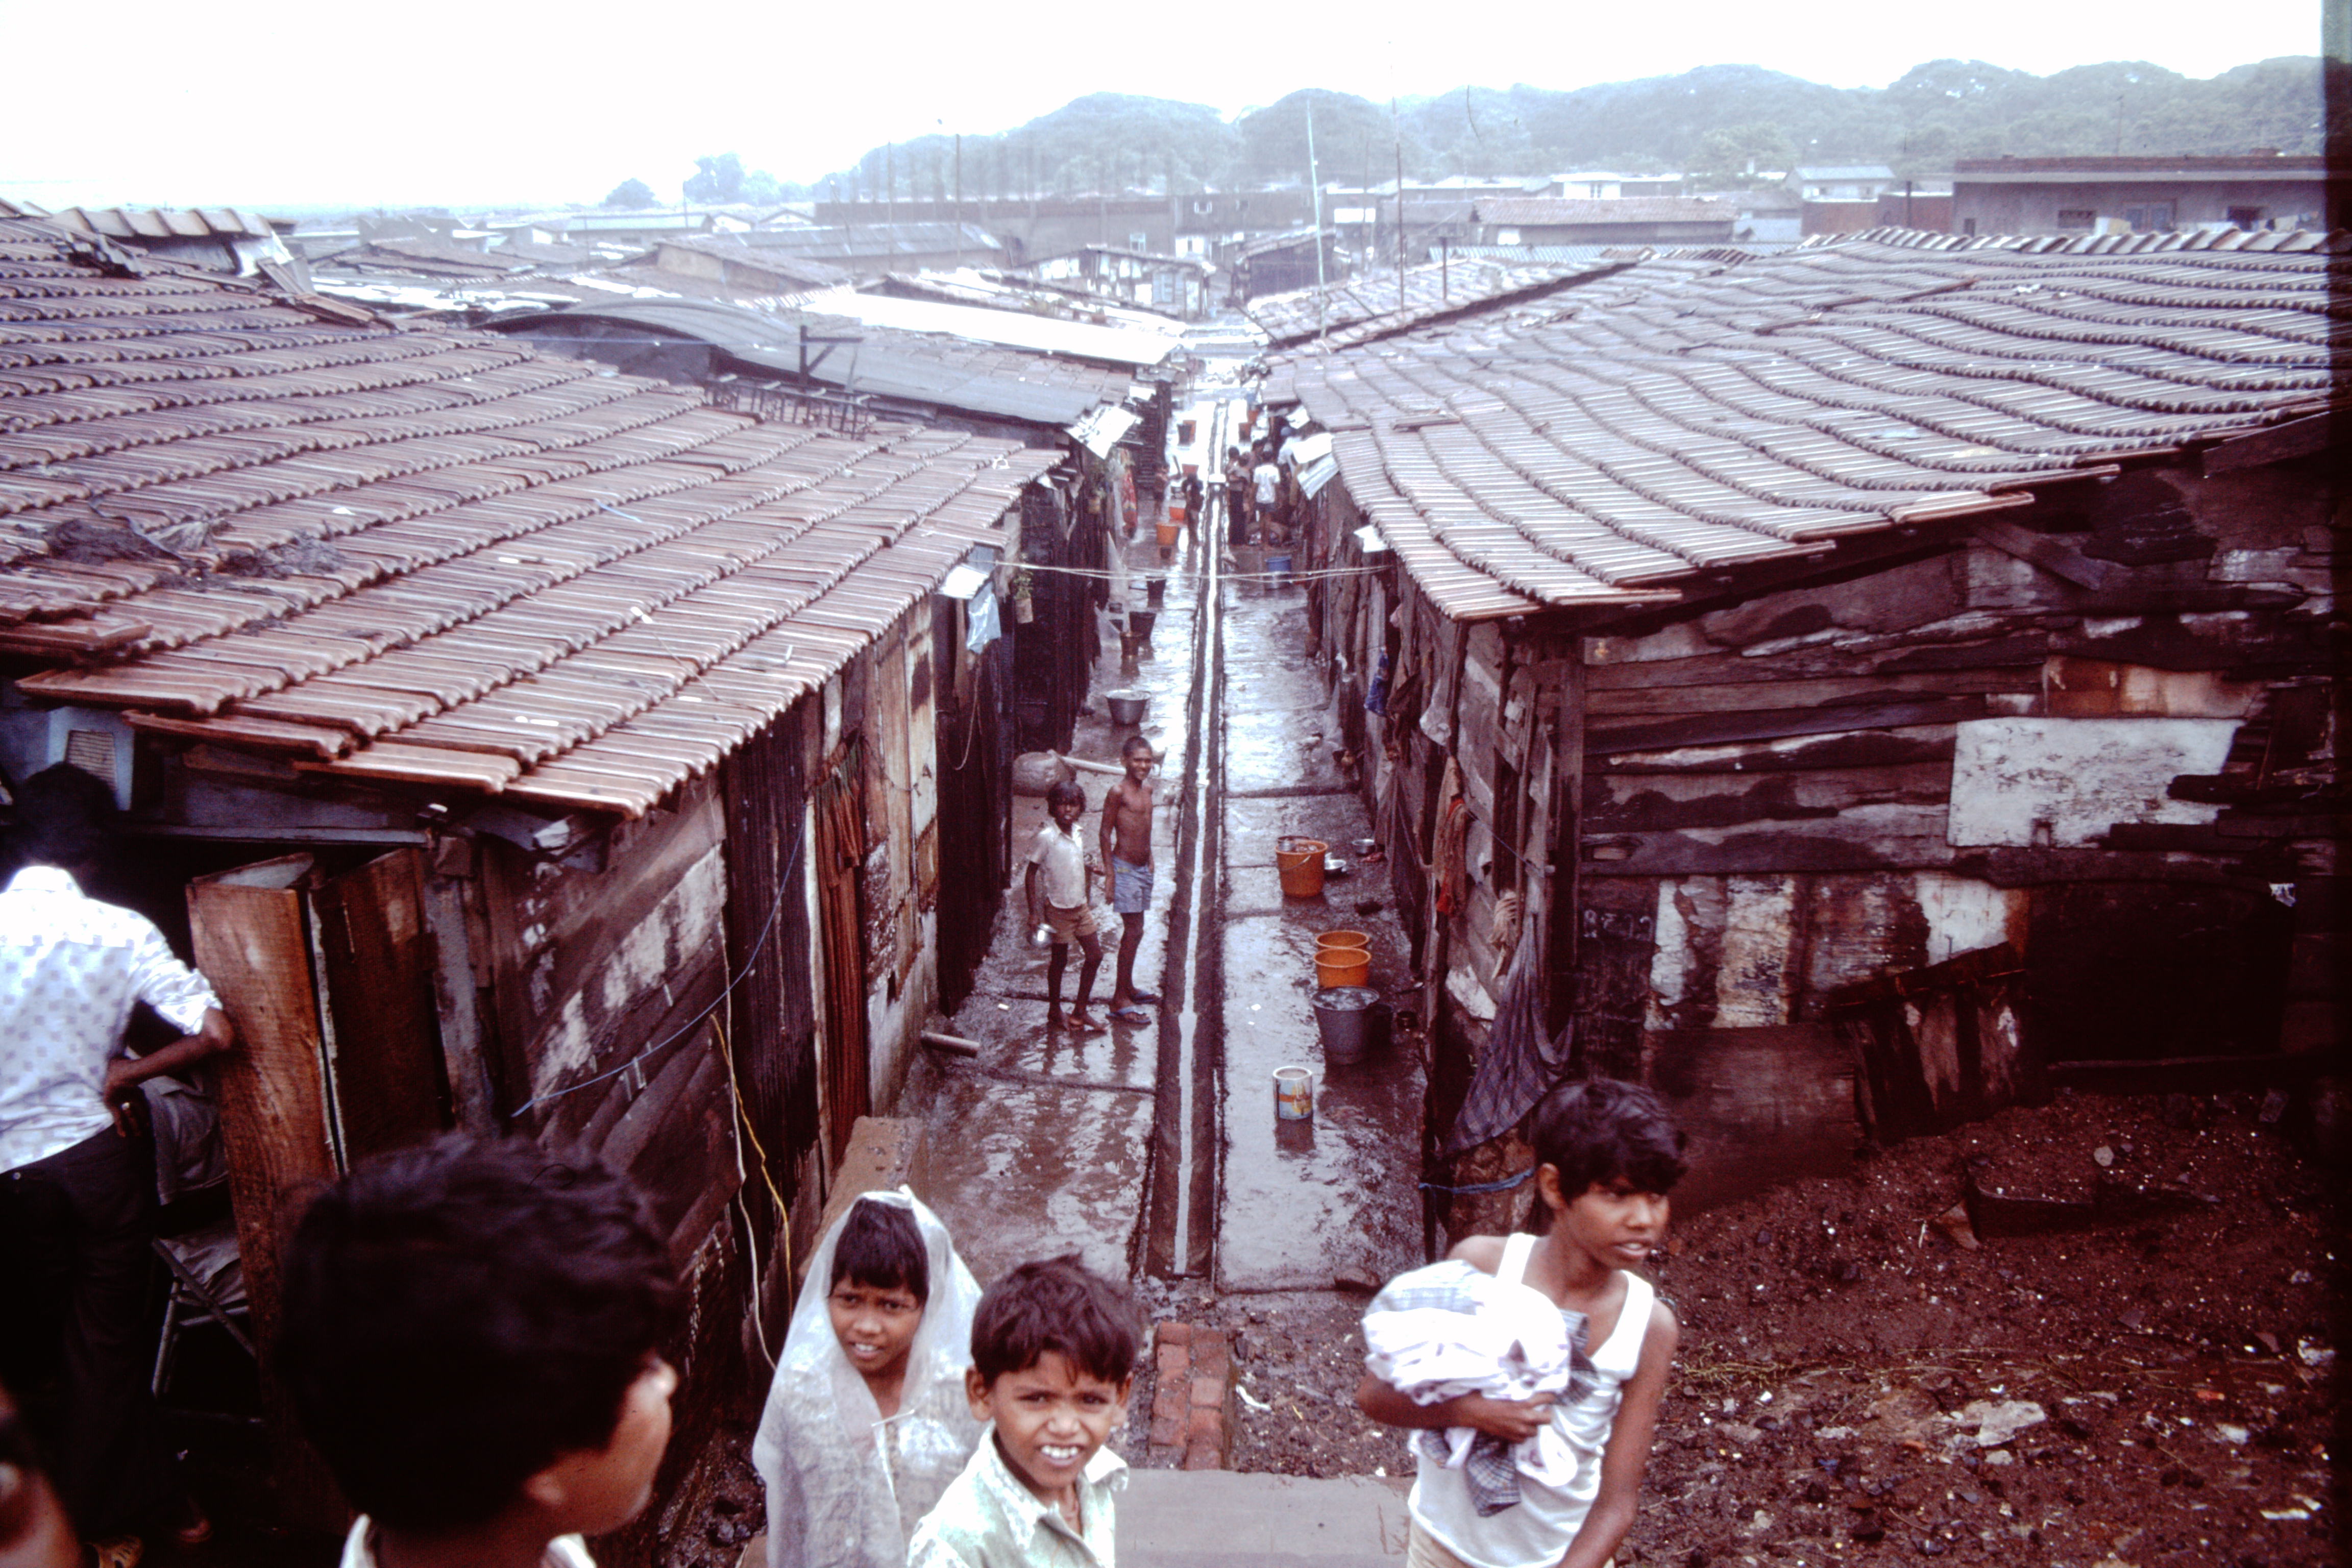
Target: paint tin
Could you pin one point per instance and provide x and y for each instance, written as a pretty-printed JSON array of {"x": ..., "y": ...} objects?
[{"x": 1294, "y": 1094}]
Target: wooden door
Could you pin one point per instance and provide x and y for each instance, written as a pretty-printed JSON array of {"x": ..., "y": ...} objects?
[{"x": 380, "y": 1026}]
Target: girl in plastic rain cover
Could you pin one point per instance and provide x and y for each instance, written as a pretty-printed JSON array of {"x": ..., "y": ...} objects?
[{"x": 867, "y": 1421}]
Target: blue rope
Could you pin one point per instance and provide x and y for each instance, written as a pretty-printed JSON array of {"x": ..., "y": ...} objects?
[{"x": 1504, "y": 1186}]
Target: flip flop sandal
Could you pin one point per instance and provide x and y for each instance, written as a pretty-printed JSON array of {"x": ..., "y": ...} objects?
[
  {"x": 1146, "y": 998},
  {"x": 1131, "y": 1015}
]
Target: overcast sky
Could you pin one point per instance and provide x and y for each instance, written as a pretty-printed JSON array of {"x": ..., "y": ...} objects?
[{"x": 465, "y": 102}]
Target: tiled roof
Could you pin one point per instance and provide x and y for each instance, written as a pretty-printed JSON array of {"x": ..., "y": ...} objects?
[
  {"x": 1691, "y": 415},
  {"x": 437, "y": 558},
  {"x": 1373, "y": 305},
  {"x": 1538, "y": 212}
]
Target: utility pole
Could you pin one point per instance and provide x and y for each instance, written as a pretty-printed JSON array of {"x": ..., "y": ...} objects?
[
  {"x": 959, "y": 198},
  {"x": 1396, "y": 125},
  {"x": 1315, "y": 182}
]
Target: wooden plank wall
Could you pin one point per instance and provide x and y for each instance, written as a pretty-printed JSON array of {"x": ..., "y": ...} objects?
[
  {"x": 1808, "y": 787},
  {"x": 2100, "y": 729}
]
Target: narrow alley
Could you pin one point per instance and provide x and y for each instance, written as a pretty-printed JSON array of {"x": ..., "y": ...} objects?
[{"x": 1154, "y": 1148}]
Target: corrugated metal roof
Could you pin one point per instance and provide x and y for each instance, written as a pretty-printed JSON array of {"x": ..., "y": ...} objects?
[
  {"x": 915, "y": 367},
  {"x": 1695, "y": 416},
  {"x": 434, "y": 557},
  {"x": 1374, "y": 304},
  {"x": 1099, "y": 431},
  {"x": 159, "y": 222},
  {"x": 1133, "y": 347}
]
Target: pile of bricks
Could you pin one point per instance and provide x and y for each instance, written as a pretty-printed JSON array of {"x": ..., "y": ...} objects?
[{"x": 1193, "y": 1380}]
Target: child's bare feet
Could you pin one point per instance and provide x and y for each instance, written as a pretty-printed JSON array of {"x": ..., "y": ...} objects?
[
  {"x": 1086, "y": 1024},
  {"x": 1052, "y": 1020}
]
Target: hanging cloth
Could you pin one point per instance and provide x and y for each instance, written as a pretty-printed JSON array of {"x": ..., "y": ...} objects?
[{"x": 1518, "y": 1065}]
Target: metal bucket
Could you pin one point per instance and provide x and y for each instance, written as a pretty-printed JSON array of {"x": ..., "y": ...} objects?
[
  {"x": 1343, "y": 1017},
  {"x": 1294, "y": 1094},
  {"x": 1138, "y": 626},
  {"x": 1279, "y": 565},
  {"x": 1155, "y": 590},
  {"x": 1126, "y": 707}
]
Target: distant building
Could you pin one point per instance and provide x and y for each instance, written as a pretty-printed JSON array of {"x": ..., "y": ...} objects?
[
  {"x": 1608, "y": 185},
  {"x": 2109, "y": 195},
  {"x": 1909, "y": 207},
  {"x": 1282, "y": 262},
  {"x": 1178, "y": 285},
  {"x": 1626, "y": 220},
  {"x": 870, "y": 249},
  {"x": 1193, "y": 225},
  {"x": 1841, "y": 181}
]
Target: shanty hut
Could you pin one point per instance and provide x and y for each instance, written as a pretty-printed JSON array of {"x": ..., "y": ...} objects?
[
  {"x": 516, "y": 745},
  {"x": 1853, "y": 688}
]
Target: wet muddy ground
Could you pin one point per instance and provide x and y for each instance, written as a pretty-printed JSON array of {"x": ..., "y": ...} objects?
[{"x": 1855, "y": 1383}]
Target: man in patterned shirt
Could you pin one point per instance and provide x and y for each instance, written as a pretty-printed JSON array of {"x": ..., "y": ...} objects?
[{"x": 77, "y": 1174}]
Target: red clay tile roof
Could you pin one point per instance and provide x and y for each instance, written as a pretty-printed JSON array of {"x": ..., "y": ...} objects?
[
  {"x": 1693, "y": 415},
  {"x": 433, "y": 557}
]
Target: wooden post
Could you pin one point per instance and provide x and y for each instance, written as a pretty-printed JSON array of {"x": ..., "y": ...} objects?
[{"x": 247, "y": 927}]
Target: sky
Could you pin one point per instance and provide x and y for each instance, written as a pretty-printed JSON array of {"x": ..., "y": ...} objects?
[{"x": 480, "y": 102}]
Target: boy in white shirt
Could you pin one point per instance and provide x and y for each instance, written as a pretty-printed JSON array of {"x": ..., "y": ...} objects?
[
  {"x": 1055, "y": 884},
  {"x": 1606, "y": 1156}
]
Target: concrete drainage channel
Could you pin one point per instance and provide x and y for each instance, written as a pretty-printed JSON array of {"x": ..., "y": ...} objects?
[{"x": 1180, "y": 1233}]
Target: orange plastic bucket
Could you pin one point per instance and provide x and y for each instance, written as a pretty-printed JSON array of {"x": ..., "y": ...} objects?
[
  {"x": 1330, "y": 939},
  {"x": 1337, "y": 966},
  {"x": 1172, "y": 533},
  {"x": 1300, "y": 862}
]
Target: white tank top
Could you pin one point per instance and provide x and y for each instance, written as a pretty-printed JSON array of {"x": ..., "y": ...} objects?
[{"x": 1538, "y": 1531}]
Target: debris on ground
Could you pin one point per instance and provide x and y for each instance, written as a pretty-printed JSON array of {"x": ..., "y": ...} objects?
[{"x": 2149, "y": 1385}]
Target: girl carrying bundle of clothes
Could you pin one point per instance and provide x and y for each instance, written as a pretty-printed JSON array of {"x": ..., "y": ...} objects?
[{"x": 867, "y": 1421}]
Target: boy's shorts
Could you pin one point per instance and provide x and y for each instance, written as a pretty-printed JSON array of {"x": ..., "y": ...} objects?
[
  {"x": 1130, "y": 888},
  {"x": 1422, "y": 1549},
  {"x": 1068, "y": 925}
]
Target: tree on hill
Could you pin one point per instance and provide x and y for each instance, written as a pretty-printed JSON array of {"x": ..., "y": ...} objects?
[
  {"x": 1356, "y": 140},
  {"x": 723, "y": 180},
  {"x": 630, "y": 193},
  {"x": 1709, "y": 122}
]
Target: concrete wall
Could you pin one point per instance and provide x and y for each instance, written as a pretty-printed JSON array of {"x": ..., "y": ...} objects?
[{"x": 1980, "y": 207}]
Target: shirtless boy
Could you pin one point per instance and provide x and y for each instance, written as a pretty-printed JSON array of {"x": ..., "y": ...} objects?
[{"x": 1127, "y": 871}]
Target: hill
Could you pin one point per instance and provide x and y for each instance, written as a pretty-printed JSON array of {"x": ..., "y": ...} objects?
[{"x": 1715, "y": 121}]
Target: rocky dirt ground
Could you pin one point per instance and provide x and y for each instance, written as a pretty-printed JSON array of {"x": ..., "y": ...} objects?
[{"x": 1858, "y": 1382}]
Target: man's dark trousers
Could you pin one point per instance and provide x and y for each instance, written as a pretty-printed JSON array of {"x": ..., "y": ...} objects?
[{"x": 76, "y": 1230}]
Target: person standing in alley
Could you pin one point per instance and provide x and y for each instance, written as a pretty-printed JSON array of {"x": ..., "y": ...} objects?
[
  {"x": 1237, "y": 499},
  {"x": 1055, "y": 884},
  {"x": 1127, "y": 871},
  {"x": 77, "y": 1167},
  {"x": 1266, "y": 478}
]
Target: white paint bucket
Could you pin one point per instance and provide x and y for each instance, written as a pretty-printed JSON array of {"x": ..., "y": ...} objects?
[{"x": 1294, "y": 1094}]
